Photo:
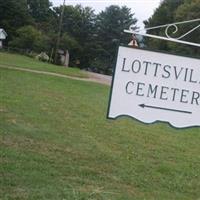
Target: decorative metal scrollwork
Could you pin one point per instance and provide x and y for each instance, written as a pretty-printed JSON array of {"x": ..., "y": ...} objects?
[{"x": 168, "y": 27}]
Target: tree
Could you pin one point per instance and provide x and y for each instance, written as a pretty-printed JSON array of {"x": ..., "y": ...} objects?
[
  {"x": 78, "y": 23},
  {"x": 43, "y": 15},
  {"x": 164, "y": 14},
  {"x": 110, "y": 25},
  {"x": 69, "y": 43},
  {"x": 13, "y": 15},
  {"x": 29, "y": 38},
  {"x": 171, "y": 11},
  {"x": 187, "y": 11},
  {"x": 39, "y": 9}
]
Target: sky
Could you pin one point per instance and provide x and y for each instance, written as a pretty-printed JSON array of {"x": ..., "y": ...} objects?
[{"x": 143, "y": 9}]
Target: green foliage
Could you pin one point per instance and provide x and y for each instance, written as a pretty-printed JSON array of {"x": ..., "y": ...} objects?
[
  {"x": 97, "y": 36},
  {"x": 78, "y": 21},
  {"x": 39, "y": 9},
  {"x": 164, "y": 14},
  {"x": 188, "y": 10},
  {"x": 91, "y": 39},
  {"x": 171, "y": 11},
  {"x": 44, "y": 17},
  {"x": 100, "y": 65},
  {"x": 110, "y": 25},
  {"x": 78, "y": 24},
  {"x": 13, "y": 15},
  {"x": 71, "y": 44},
  {"x": 29, "y": 38}
]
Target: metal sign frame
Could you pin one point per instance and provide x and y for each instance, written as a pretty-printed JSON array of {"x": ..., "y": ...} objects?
[
  {"x": 167, "y": 34},
  {"x": 168, "y": 37},
  {"x": 144, "y": 105}
]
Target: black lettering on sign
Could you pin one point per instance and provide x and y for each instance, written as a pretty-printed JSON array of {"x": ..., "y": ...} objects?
[
  {"x": 147, "y": 64},
  {"x": 183, "y": 95},
  {"x": 163, "y": 93},
  {"x": 123, "y": 66},
  {"x": 136, "y": 66},
  {"x": 152, "y": 91},
  {"x": 166, "y": 69},
  {"x": 129, "y": 87},
  {"x": 195, "y": 98},
  {"x": 191, "y": 76},
  {"x": 156, "y": 68},
  {"x": 140, "y": 89},
  {"x": 177, "y": 72},
  {"x": 175, "y": 90}
]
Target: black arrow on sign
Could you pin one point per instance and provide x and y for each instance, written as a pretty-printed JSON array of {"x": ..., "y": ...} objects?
[{"x": 168, "y": 109}]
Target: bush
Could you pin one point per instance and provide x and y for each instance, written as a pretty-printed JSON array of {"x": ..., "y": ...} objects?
[{"x": 29, "y": 38}]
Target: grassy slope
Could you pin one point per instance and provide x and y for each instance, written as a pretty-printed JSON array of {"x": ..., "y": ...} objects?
[
  {"x": 56, "y": 143},
  {"x": 16, "y": 60}
]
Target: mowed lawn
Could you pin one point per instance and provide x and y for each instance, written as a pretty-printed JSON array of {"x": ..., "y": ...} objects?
[
  {"x": 19, "y": 61},
  {"x": 56, "y": 144}
]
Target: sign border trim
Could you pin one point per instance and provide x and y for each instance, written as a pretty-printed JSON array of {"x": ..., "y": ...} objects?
[{"x": 129, "y": 116}]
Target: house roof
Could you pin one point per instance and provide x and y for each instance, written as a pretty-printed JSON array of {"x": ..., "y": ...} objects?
[{"x": 3, "y": 34}]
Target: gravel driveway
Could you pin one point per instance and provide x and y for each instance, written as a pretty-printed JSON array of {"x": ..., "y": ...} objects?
[
  {"x": 93, "y": 77},
  {"x": 100, "y": 78}
]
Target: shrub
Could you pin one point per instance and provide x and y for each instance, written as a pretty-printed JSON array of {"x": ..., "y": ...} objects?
[{"x": 29, "y": 38}]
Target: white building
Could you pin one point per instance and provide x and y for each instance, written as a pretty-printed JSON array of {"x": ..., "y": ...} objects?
[{"x": 3, "y": 36}]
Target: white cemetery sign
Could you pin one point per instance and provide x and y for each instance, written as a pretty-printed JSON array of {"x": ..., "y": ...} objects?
[{"x": 151, "y": 86}]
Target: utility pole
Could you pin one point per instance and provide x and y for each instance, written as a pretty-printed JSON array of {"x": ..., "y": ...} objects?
[{"x": 59, "y": 33}]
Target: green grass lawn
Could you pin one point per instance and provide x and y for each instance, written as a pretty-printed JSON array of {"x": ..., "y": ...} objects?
[
  {"x": 16, "y": 60},
  {"x": 56, "y": 144}
]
